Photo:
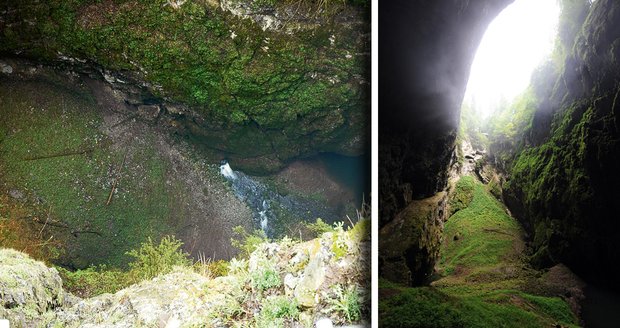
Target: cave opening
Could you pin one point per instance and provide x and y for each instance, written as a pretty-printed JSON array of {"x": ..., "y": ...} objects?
[{"x": 499, "y": 99}]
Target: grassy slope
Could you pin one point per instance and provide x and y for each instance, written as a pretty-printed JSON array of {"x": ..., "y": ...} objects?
[
  {"x": 74, "y": 189},
  {"x": 483, "y": 276}
]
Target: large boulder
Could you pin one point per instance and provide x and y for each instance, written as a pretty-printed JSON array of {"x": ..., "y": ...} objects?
[
  {"x": 410, "y": 243},
  {"x": 28, "y": 288}
]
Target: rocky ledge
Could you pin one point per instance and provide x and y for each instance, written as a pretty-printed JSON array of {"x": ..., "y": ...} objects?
[{"x": 292, "y": 284}]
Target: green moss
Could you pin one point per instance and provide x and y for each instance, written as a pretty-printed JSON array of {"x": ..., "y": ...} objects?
[
  {"x": 485, "y": 232},
  {"x": 255, "y": 77},
  {"x": 462, "y": 195},
  {"x": 482, "y": 275}
]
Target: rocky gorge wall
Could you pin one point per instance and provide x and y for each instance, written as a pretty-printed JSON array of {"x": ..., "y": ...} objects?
[
  {"x": 562, "y": 182},
  {"x": 261, "y": 82},
  {"x": 281, "y": 284}
]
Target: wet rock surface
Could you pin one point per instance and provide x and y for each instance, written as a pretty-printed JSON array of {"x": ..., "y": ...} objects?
[
  {"x": 127, "y": 170},
  {"x": 238, "y": 73},
  {"x": 562, "y": 183}
]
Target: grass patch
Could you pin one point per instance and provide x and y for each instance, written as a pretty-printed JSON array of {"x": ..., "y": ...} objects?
[
  {"x": 482, "y": 272},
  {"x": 481, "y": 234}
]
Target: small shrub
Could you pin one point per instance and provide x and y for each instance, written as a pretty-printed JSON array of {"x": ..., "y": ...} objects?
[
  {"x": 246, "y": 242},
  {"x": 276, "y": 310},
  {"x": 209, "y": 268},
  {"x": 339, "y": 246},
  {"x": 360, "y": 231},
  {"x": 265, "y": 278},
  {"x": 319, "y": 227},
  {"x": 152, "y": 260},
  {"x": 347, "y": 303},
  {"x": 218, "y": 268}
]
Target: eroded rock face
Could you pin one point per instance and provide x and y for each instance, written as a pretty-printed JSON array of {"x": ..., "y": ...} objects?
[
  {"x": 410, "y": 243},
  {"x": 426, "y": 50},
  {"x": 425, "y": 55}
]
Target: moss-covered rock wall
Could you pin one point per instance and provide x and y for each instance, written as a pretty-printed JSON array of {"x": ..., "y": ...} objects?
[
  {"x": 262, "y": 93},
  {"x": 563, "y": 181}
]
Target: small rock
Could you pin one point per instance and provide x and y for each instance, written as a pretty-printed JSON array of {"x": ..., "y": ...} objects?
[
  {"x": 176, "y": 110},
  {"x": 149, "y": 112},
  {"x": 16, "y": 194},
  {"x": 6, "y": 68},
  {"x": 109, "y": 78},
  {"x": 324, "y": 323},
  {"x": 133, "y": 99},
  {"x": 313, "y": 278},
  {"x": 290, "y": 281}
]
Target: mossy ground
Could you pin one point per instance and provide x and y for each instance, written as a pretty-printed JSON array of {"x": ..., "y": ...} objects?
[
  {"x": 54, "y": 152},
  {"x": 483, "y": 276}
]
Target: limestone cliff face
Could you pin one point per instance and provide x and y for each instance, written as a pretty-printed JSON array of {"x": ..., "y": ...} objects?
[
  {"x": 261, "y": 81},
  {"x": 426, "y": 49},
  {"x": 563, "y": 183}
]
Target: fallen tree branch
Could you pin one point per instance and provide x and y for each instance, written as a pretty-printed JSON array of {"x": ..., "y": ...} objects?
[{"x": 117, "y": 178}]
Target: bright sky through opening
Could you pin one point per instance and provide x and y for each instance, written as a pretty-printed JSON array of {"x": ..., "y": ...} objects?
[{"x": 515, "y": 43}]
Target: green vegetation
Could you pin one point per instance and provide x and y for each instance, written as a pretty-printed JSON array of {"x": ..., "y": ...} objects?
[
  {"x": 55, "y": 154},
  {"x": 94, "y": 281},
  {"x": 510, "y": 121},
  {"x": 430, "y": 307},
  {"x": 152, "y": 260},
  {"x": 254, "y": 76},
  {"x": 486, "y": 233},
  {"x": 319, "y": 227},
  {"x": 551, "y": 172},
  {"x": 483, "y": 279},
  {"x": 247, "y": 242},
  {"x": 462, "y": 195},
  {"x": 471, "y": 128},
  {"x": 347, "y": 302},
  {"x": 276, "y": 311},
  {"x": 265, "y": 277}
]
